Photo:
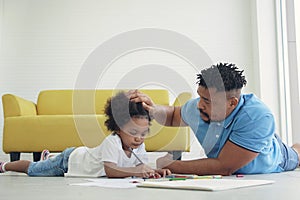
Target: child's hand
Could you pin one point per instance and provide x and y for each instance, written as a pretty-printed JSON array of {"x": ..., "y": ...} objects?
[
  {"x": 145, "y": 171},
  {"x": 163, "y": 172}
]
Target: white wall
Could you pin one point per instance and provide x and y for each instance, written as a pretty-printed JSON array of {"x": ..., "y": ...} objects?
[{"x": 44, "y": 44}]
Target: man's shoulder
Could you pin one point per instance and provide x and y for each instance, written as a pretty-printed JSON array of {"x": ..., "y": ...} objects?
[
  {"x": 254, "y": 106},
  {"x": 252, "y": 100}
]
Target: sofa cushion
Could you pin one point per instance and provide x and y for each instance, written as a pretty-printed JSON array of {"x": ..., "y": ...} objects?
[{"x": 57, "y": 132}]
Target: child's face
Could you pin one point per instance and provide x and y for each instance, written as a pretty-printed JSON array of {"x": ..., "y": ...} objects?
[{"x": 133, "y": 133}]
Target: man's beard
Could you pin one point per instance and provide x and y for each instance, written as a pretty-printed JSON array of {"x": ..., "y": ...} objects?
[{"x": 206, "y": 115}]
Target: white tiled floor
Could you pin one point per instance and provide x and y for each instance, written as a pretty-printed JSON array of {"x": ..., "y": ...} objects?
[{"x": 19, "y": 186}]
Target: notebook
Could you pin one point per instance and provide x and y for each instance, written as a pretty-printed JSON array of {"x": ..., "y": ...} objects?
[{"x": 205, "y": 184}]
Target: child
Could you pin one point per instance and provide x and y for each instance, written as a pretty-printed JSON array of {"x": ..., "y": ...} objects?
[{"x": 121, "y": 154}]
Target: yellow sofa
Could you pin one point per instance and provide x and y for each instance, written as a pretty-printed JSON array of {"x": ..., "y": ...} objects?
[{"x": 65, "y": 118}]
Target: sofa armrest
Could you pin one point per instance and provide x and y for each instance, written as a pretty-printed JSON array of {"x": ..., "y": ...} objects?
[
  {"x": 17, "y": 106},
  {"x": 182, "y": 98}
]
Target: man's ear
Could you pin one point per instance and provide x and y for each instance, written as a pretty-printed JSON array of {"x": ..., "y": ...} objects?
[{"x": 233, "y": 102}]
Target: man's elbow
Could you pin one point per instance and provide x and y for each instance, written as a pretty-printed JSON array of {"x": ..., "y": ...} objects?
[{"x": 227, "y": 171}]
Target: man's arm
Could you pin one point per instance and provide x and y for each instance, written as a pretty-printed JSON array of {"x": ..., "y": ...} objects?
[
  {"x": 231, "y": 158},
  {"x": 167, "y": 115}
]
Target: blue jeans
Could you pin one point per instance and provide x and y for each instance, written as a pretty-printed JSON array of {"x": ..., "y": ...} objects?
[
  {"x": 290, "y": 156},
  {"x": 54, "y": 166}
]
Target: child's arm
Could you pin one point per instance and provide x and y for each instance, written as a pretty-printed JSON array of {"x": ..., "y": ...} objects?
[{"x": 113, "y": 171}]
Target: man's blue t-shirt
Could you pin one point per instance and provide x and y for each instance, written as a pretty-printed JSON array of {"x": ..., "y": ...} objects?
[{"x": 251, "y": 125}]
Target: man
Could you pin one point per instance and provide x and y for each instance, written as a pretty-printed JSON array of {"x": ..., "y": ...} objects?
[{"x": 237, "y": 131}]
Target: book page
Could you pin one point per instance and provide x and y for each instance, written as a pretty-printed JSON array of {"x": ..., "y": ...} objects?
[{"x": 205, "y": 184}]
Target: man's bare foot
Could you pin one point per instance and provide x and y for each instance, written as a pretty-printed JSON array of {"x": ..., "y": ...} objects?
[{"x": 296, "y": 147}]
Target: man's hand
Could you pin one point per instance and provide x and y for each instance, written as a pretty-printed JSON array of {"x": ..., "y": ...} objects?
[
  {"x": 161, "y": 113},
  {"x": 136, "y": 96}
]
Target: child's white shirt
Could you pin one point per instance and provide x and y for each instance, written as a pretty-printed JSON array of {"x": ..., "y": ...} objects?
[{"x": 88, "y": 162}]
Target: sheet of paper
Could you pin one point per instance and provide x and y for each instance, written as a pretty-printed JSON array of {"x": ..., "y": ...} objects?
[
  {"x": 190, "y": 184},
  {"x": 205, "y": 184},
  {"x": 110, "y": 183}
]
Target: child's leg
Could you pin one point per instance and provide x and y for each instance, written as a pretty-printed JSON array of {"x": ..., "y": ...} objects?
[
  {"x": 45, "y": 154},
  {"x": 16, "y": 166},
  {"x": 54, "y": 166}
]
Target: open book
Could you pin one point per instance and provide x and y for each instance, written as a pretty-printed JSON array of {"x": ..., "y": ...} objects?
[{"x": 205, "y": 184}]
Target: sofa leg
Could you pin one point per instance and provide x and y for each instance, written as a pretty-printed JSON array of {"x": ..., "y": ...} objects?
[
  {"x": 176, "y": 155},
  {"x": 36, "y": 156},
  {"x": 14, "y": 156}
]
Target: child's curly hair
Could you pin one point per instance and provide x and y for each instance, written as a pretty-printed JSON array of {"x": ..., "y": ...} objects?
[{"x": 119, "y": 110}]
